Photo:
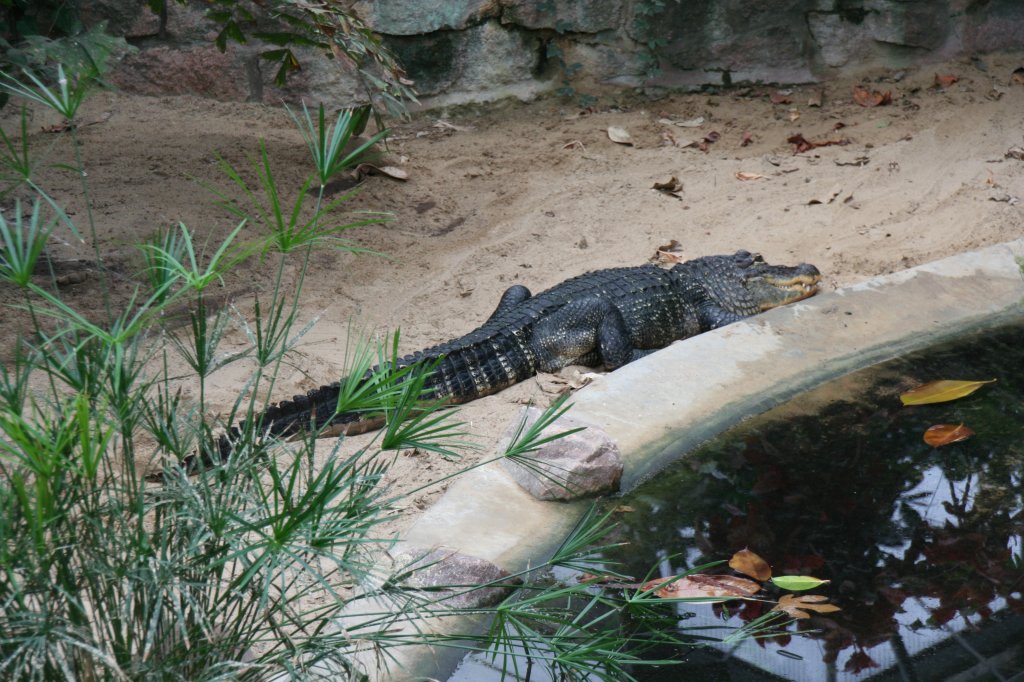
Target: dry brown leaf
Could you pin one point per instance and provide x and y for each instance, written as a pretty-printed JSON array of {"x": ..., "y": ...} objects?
[
  {"x": 668, "y": 253},
  {"x": 575, "y": 144},
  {"x": 852, "y": 161},
  {"x": 702, "y": 586},
  {"x": 619, "y": 136},
  {"x": 390, "y": 171},
  {"x": 1018, "y": 75},
  {"x": 1014, "y": 153},
  {"x": 691, "y": 123},
  {"x": 749, "y": 563},
  {"x": 802, "y": 144},
  {"x": 625, "y": 509},
  {"x": 797, "y": 605},
  {"x": 780, "y": 98},
  {"x": 794, "y": 115},
  {"x": 944, "y": 434},
  {"x": 743, "y": 175},
  {"x": 827, "y": 198},
  {"x": 871, "y": 98},
  {"x": 814, "y": 99},
  {"x": 672, "y": 186},
  {"x": 747, "y": 138},
  {"x": 945, "y": 80},
  {"x": 666, "y": 257},
  {"x": 445, "y": 125}
]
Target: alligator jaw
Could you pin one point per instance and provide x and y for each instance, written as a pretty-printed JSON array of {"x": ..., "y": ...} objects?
[{"x": 798, "y": 288}]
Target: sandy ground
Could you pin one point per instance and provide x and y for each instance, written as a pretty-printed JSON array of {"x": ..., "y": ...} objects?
[{"x": 534, "y": 193}]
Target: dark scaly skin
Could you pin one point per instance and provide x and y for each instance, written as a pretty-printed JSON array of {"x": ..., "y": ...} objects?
[{"x": 603, "y": 318}]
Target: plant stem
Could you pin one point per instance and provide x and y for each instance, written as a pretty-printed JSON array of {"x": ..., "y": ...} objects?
[{"x": 80, "y": 166}]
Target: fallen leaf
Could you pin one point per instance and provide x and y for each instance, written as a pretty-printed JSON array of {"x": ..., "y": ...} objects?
[
  {"x": 673, "y": 245},
  {"x": 814, "y": 99},
  {"x": 1014, "y": 153},
  {"x": 749, "y": 563},
  {"x": 671, "y": 186},
  {"x": 390, "y": 171},
  {"x": 827, "y": 198},
  {"x": 944, "y": 81},
  {"x": 575, "y": 144},
  {"x": 67, "y": 125},
  {"x": 794, "y": 115},
  {"x": 702, "y": 586},
  {"x": 802, "y": 144},
  {"x": 780, "y": 98},
  {"x": 619, "y": 136},
  {"x": 445, "y": 125},
  {"x": 799, "y": 583},
  {"x": 1018, "y": 75},
  {"x": 859, "y": 662},
  {"x": 669, "y": 139},
  {"x": 668, "y": 253},
  {"x": 871, "y": 98},
  {"x": 797, "y": 605},
  {"x": 747, "y": 139},
  {"x": 625, "y": 509},
  {"x": 941, "y": 391},
  {"x": 743, "y": 175},
  {"x": 944, "y": 434},
  {"x": 691, "y": 123}
]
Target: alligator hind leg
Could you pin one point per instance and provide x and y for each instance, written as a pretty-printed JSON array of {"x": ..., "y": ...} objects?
[
  {"x": 584, "y": 329},
  {"x": 512, "y": 297}
]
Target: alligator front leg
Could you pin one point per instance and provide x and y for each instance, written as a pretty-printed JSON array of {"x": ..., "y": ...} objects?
[
  {"x": 588, "y": 331},
  {"x": 713, "y": 316}
]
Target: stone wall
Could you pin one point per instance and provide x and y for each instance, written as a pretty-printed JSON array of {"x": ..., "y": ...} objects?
[{"x": 475, "y": 50}]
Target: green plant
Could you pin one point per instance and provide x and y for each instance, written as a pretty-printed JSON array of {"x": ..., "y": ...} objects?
[{"x": 242, "y": 569}]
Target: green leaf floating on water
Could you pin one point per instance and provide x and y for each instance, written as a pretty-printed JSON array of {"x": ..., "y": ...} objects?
[
  {"x": 941, "y": 391},
  {"x": 798, "y": 583}
]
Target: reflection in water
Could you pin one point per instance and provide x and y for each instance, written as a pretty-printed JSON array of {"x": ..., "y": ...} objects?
[{"x": 922, "y": 545}]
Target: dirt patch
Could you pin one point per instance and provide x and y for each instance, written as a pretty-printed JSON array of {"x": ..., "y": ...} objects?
[{"x": 533, "y": 193}]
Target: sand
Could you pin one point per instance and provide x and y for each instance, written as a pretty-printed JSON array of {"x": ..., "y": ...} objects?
[{"x": 514, "y": 193}]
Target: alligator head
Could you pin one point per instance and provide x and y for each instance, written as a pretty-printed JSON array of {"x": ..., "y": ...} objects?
[{"x": 744, "y": 284}]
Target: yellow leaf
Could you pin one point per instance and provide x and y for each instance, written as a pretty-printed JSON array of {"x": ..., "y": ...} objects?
[
  {"x": 798, "y": 583},
  {"x": 941, "y": 391},
  {"x": 749, "y": 563}
]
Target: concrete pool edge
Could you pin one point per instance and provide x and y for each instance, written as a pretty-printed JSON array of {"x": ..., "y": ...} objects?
[{"x": 668, "y": 403}]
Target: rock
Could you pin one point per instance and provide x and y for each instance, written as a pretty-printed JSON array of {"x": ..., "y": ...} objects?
[
  {"x": 565, "y": 16},
  {"x": 604, "y": 58},
  {"x": 477, "y": 59},
  {"x": 440, "y": 567},
  {"x": 727, "y": 41},
  {"x": 579, "y": 465},
  {"x": 202, "y": 70},
  {"x": 404, "y": 18}
]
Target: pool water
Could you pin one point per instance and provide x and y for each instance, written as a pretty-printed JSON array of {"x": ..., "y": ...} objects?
[{"x": 922, "y": 545}]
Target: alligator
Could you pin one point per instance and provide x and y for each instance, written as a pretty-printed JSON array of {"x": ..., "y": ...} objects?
[{"x": 602, "y": 318}]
